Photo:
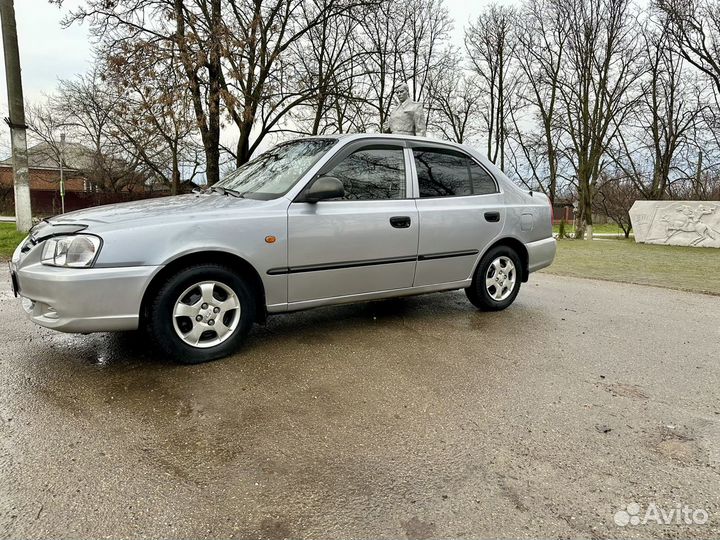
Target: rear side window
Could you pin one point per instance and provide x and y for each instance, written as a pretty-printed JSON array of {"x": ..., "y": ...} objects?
[
  {"x": 375, "y": 173},
  {"x": 446, "y": 173},
  {"x": 482, "y": 182}
]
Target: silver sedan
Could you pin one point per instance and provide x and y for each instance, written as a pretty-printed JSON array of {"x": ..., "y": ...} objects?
[{"x": 312, "y": 222}]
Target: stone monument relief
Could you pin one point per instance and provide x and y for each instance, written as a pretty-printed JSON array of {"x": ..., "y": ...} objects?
[{"x": 677, "y": 223}]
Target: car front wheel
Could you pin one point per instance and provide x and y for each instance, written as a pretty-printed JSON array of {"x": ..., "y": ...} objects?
[
  {"x": 497, "y": 280},
  {"x": 201, "y": 313}
]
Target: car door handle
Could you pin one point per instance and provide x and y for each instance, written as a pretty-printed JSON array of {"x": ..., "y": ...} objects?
[
  {"x": 492, "y": 217},
  {"x": 400, "y": 222}
]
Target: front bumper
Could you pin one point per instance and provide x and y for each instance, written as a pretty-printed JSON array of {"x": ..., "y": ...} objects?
[{"x": 83, "y": 299}]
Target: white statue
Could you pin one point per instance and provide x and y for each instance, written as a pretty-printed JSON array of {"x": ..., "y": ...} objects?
[{"x": 408, "y": 118}]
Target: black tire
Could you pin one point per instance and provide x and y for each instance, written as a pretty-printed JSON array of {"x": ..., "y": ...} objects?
[
  {"x": 161, "y": 322},
  {"x": 478, "y": 293}
]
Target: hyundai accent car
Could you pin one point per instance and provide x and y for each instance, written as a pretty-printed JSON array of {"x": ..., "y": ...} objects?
[{"x": 313, "y": 222}]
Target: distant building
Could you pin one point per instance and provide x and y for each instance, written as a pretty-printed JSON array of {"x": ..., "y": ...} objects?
[
  {"x": 45, "y": 168},
  {"x": 81, "y": 191}
]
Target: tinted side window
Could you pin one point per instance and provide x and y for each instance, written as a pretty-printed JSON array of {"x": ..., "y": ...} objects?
[
  {"x": 442, "y": 173},
  {"x": 482, "y": 182},
  {"x": 445, "y": 173},
  {"x": 372, "y": 173}
]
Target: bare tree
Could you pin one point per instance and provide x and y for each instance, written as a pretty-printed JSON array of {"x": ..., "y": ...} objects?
[
  {"x": 426, "y": 26},
  {"x": 257, "y": 84},
  {"x": 542, "y": 35},
  {"x": 88, "y": 108},
  {"x": 454, "y": 104},
  {"x": 383, "y": 42},
  {"x": 154, "y": 119},
  {"x": 490, "y": 42},
  {"x": 234, "y": 55},
  {"x": 596, "y": 89},
  {"x": 694, "y": 27},
  {"x": 329, "y": 60},
  {"x": 614, "y": 198},
  {"x": 46, "y": 126},
  {"x": 566, "y": 94},
  {"x": 196, "y": 32},
  {"x": 666, "y": 117}
]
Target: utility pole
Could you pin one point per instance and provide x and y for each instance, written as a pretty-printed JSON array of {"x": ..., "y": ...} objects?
[
  {"x": 62, "y": 176},
  {"x": 16, "y": 121}
]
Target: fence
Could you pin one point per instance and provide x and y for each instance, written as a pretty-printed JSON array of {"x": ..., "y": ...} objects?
[
  {"x": 565, "y": 212},
  {"x": 47, "y": 203}
]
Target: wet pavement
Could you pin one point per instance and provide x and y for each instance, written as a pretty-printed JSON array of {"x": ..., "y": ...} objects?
[{"x": 416, "y": 418}]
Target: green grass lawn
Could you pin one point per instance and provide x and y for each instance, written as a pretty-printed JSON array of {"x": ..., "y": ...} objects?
[
  {"x": 674, "y": 267},
  {"x": 608, "y": 228},
  {"x": 9, "y": 239}
]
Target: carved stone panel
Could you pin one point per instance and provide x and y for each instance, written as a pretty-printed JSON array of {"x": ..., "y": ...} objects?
[{"x": 678, "y": 223}]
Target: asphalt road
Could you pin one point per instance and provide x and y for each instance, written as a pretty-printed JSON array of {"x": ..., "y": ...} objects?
[{"x": 412, "y": 418}]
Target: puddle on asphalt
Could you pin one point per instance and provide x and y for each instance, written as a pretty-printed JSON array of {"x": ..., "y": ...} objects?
[{"x": 102, "y": 350}]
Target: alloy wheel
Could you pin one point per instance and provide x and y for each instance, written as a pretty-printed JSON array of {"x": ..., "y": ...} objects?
[
  {"x": 206, "y": 314},
  {"x": 500, "y": 278}
]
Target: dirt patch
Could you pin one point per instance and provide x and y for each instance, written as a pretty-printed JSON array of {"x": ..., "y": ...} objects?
[
  {"x": 677, "y": 444},
  {"x": 418, "y": 529},
  {"x": 631, "y": 391}
]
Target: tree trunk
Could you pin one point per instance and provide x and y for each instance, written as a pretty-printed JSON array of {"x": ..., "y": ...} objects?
[
  {"x": 212, "y": 146},
  {"x": 209, "y": 124},
  {"x": 584, "y": 228},
  {"x": 212, "y": 171},
  {"x": 175, "y": 187},
  {"x": 698, "y": 175},
  {"x": 243, "y": 145},
  {"x": 320, "y": 107},
  {"x": 552, "y": 192}
]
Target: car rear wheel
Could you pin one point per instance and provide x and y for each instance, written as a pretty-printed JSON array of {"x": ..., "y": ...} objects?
[
  {"x": 201, "y": 313},
  {"x": 497, "y": 279}
]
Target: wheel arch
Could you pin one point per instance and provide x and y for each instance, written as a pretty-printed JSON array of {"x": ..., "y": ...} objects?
[
  {"x": 242, "y": 266},
  {"x": 515, "y": 245}
]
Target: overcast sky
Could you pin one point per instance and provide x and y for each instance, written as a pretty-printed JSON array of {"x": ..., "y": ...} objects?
[{"x": 47, "y": 51}]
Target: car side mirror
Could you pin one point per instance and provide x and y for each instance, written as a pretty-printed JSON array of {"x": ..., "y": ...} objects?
[{"x": 325, "y": 187}]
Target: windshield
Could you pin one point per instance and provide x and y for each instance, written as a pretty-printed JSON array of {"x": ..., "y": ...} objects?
[{"x": 272, "y": 174}]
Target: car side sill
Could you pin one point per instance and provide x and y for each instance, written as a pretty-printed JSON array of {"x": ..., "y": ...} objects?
[{"x": 364, "y": 297}]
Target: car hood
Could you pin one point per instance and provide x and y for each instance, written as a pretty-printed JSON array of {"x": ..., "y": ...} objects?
[{"x": 179, "y": 206}]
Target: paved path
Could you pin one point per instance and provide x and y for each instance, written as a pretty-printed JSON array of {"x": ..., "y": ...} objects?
[{"x": 407, "y": 418}]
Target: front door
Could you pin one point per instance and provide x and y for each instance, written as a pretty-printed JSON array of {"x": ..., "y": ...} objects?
[{"x": 365, "y": 242}]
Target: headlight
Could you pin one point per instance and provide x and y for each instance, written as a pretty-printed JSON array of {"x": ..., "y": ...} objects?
[{"x": 77, "y": 250}]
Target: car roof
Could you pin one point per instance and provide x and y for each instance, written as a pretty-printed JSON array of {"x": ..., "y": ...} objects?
[
  {"x": 389, "y": 136},
  {"x": 347, "y": 137}
]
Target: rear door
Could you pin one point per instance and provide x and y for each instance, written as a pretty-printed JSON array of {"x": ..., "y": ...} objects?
[
  {"x": 365, "y": 242},
  {"x": 460, "y": 210}
]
